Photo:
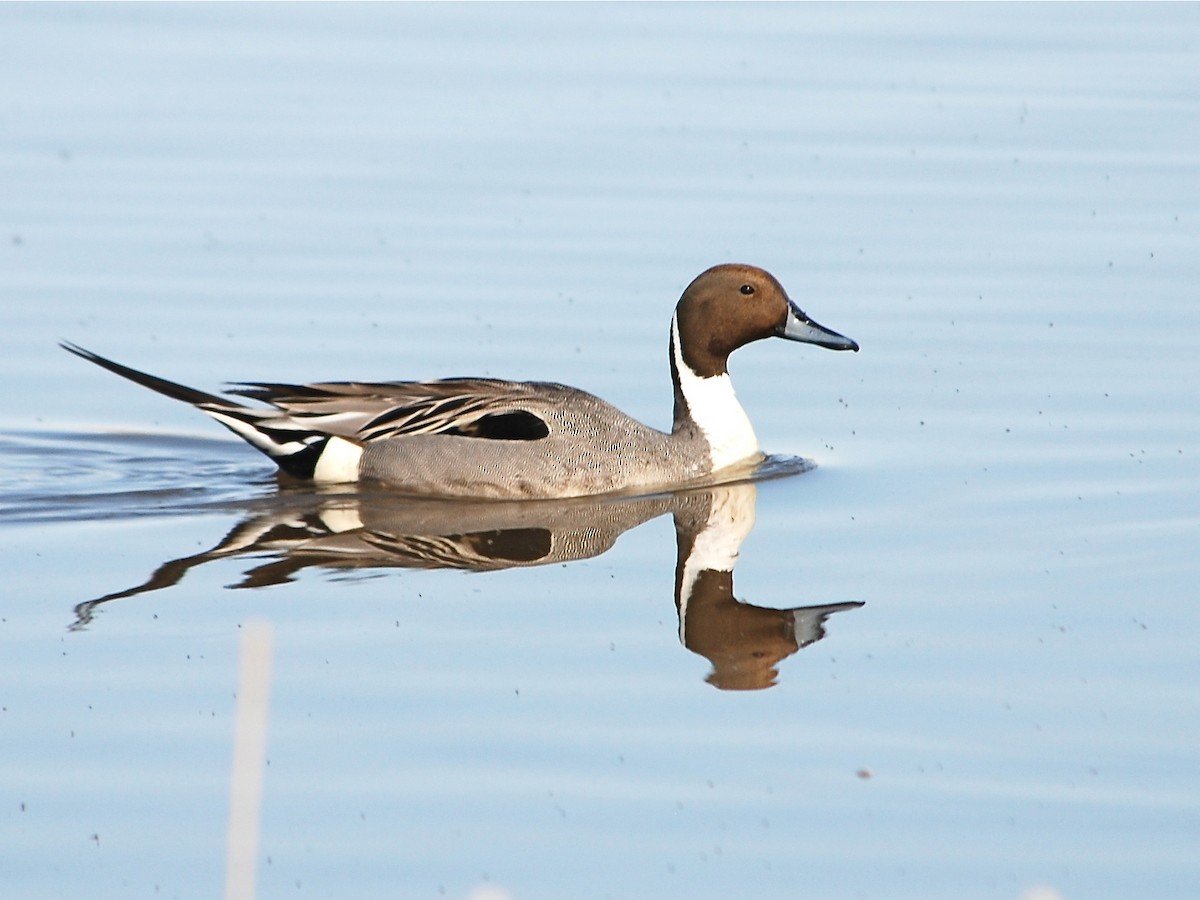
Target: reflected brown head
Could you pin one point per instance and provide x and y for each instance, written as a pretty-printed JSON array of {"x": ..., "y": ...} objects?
[{"x": 744, "y": 643}]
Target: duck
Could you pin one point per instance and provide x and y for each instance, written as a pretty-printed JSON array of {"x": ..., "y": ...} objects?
[{"x": 489, "y": 438}]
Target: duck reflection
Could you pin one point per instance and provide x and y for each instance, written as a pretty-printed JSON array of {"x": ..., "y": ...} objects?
[
  {"x": 364, "y": 530},
  {"x": 744, "y": 643}
]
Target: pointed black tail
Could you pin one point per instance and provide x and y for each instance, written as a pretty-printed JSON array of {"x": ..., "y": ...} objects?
[
  {"x": 290, "y": 445},
  {"x": 161, "y": 385}
]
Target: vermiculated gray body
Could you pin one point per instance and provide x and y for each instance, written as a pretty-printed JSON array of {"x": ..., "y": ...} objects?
[{"x": 592, "y": 448}]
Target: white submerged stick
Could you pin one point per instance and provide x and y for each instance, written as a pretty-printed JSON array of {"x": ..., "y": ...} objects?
[{"x": 249, "y": 758}]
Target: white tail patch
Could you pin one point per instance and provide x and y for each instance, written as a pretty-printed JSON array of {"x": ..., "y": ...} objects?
[{"x": 338, "y": 462}]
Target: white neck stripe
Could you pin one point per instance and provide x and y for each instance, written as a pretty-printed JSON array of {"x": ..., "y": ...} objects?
[{"x": 714, "y": 407}]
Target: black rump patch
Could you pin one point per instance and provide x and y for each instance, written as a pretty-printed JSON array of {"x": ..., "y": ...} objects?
[{"x": 303, "y": 463}]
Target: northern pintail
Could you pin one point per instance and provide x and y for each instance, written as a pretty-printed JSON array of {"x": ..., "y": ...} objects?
[{"x": 488, "y": 438}]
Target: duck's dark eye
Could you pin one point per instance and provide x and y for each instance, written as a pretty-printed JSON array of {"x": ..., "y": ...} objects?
[{"x": 747, "y": 289}]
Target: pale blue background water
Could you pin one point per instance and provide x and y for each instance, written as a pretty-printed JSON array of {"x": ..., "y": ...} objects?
[{"x": 1000, "y": 203}]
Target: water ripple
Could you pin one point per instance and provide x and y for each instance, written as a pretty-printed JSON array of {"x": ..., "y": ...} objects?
[{"x": 72, "y": 476}]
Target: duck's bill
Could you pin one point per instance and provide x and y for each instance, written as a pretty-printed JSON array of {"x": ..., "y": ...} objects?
[{"x": 800, "y": 327}]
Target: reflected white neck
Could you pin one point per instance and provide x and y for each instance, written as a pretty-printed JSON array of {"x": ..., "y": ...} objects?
[{"x": 719, "y": 542}]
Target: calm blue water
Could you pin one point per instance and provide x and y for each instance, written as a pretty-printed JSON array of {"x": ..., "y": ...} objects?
[{"x": 1000, "y": 203}]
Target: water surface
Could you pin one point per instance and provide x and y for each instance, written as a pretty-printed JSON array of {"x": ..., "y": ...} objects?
[{"x": 956, "y": 659}]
